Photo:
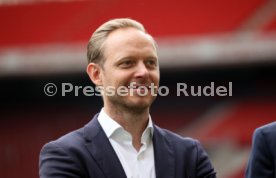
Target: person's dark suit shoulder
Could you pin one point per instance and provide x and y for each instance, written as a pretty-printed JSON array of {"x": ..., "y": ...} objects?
[
  {"x": 262, "y": 158},
  {"x": 191, "y": 156},
  {"x": 66, "y": 149},
  {"x": 268, "y": 129}
]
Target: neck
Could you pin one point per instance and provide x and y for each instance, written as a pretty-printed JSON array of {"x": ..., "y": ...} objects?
[{"x": 132, "y": 120}]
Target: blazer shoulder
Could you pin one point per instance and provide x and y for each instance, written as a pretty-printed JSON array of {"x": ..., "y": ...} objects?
[
  {"x": 188, "y": 153},
  {"x": 69, "y": 142},
  {"x": 177, "y": 139},
  {"x": 64, "y": 156},
  {"x": 265, "y": 135},
  {"x": 268, "y": 130},
  {"x": 77, "y": 138}
]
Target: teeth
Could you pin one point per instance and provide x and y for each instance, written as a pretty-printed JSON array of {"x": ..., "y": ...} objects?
[{"x": 135, "y": 87}]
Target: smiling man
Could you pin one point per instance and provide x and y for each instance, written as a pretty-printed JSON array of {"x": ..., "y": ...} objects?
[{"x": 122, "y": 141}]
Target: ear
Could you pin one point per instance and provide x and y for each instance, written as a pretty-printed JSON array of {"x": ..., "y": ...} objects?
[{"x": 95, "y": 73}]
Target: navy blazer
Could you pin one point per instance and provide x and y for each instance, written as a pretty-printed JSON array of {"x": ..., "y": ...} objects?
[
  {"x": 262, "y": 160},
  {"x": 87, "y": 153}
]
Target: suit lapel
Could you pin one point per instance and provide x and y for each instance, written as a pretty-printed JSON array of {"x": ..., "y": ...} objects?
[
  {"x": 163, "y": 155},
  {"x": 102, "y": 151}
]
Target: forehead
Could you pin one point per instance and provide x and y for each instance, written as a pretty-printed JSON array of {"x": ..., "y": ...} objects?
[{"x": 123, "y": 38}]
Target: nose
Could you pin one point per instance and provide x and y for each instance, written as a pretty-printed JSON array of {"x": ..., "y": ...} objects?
[{"x": 142, "y": 71}]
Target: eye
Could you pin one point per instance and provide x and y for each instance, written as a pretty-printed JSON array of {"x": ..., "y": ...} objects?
[
  {"x": 126, "y": 63},
  {"x": 151, "y": 63}
]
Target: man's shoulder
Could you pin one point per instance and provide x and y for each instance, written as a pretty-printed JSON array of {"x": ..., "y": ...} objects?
[
  {"x": 184, "y": 147},
  {"x": 266, "y": 135},
  {"x": 71, "y": 140},
  {"x": 177, "y": 139},
  {"x": 267, "y": 130},
  {"x": 78, "y": 137}
]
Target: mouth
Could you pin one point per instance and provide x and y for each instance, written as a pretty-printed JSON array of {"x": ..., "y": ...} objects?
[
  {"x": 134, "y": 85},
  {"x": 142, "y": 89}
]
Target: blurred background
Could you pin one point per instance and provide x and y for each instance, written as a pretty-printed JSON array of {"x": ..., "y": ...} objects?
[{"x": 44, "y": 41}]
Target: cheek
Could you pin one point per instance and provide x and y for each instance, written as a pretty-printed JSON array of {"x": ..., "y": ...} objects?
[
  {"x": 110, "y": 77},
  {"x": 155, "y": 77},
  {"x": 122, "y": 78},
  {"x": 116, "y": 80}
]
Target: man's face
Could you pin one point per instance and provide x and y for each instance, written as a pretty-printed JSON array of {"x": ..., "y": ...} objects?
[{"x": 130, "y": 56}]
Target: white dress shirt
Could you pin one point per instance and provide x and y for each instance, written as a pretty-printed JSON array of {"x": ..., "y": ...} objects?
[{"x": 136, "y": 164}]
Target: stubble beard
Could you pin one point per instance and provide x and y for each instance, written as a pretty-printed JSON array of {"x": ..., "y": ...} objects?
[{"x": 122, "y": 103}]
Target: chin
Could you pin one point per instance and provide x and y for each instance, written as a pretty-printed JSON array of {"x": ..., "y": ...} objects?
[
  {"x": 137, "y": 103},
  {"x": 137, "y": 107},
  {"x": 140, "y": 102}
]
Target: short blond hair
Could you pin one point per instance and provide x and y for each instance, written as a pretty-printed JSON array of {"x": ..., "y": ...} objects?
[{"x": 95, "y": 45}]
